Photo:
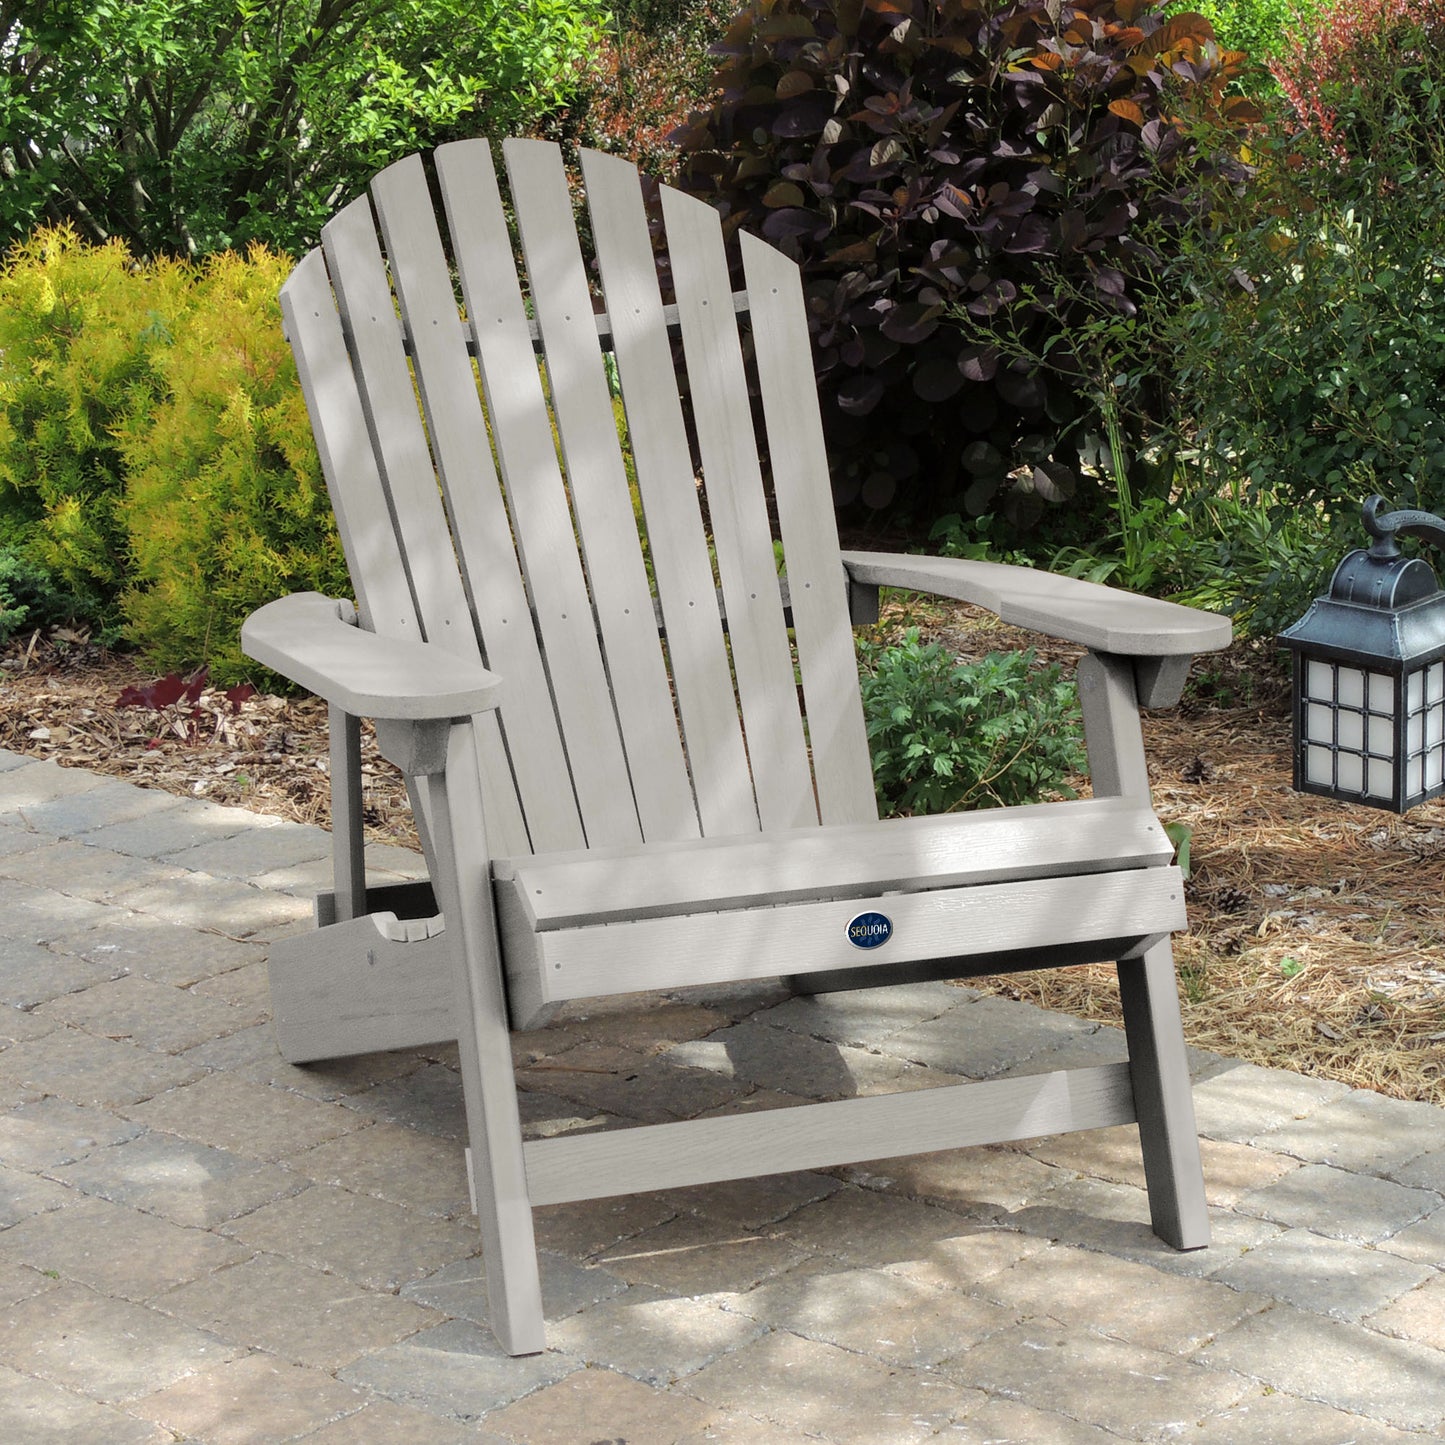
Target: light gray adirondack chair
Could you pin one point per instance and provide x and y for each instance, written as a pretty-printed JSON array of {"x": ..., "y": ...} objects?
[{"x": 615, "y": 783}]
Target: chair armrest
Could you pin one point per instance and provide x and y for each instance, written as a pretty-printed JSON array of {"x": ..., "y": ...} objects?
[
  {"x": 308, "y": 638},
  {"x": 1103, "y": 619}
]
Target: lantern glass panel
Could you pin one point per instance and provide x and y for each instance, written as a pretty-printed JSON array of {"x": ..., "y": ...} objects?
[
  {"x": 1382, "y": 778},
  {"x": 1351, "y": 772},
  {"x": 1382, "y": 692},
  {"x": 1320, "y": 766},
  {"x": 1382, "y": 735},
  {"x": 1435, "y": 683},
  {"x": 1319, "y": 723},
  {"x": 1319, "y": 680},
  {"x": 1351, "y": 729},
  {"x": 1351, "y": 687}
]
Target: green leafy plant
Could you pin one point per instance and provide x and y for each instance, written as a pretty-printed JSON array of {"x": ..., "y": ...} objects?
[
  {"x": 155, "y": 457},
  {"x": 186, "y": 126},
  {"x": 919, "y": 158},
  {"x": 29, "y": 597},
  {"x": 947, "y": 734}
]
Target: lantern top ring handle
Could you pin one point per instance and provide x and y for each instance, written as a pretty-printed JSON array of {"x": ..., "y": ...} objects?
[{"x": 1384, "y": 528}]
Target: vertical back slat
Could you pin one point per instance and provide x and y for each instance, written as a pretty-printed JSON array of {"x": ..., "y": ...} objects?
[
  {"x": 677, "y": 542},
  {"x": 737, "y": 508},
  {"x": 364, "y": 520},
  {"x": 842, "y": 766},
  {"x": 541, "y": 520},
  {"x": 474, "y": 502},
  {"x": 597, "y": 480}
]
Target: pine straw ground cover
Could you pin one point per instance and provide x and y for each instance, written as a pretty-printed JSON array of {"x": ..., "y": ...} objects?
[{"x": 1318, "y": 929}]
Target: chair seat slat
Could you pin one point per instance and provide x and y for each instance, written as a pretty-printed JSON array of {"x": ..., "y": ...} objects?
[{"x": 993, "y": 846}]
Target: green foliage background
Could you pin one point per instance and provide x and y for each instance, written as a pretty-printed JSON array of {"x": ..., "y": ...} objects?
[
  {"x": 184, "y": 126},
  {"x": 156, "y": 461}
]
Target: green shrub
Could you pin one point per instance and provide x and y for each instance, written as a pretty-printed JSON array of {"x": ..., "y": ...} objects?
[
  {"x": 29, "y": 596},
  {"x": 1312, "y": 358},
  {"x": 918, "y": 157},
  {"x": 79, "y": 326},
  {"x": 947, "y": 734},
  {"x": 155, "y": 457},
  {"x": 225, "y": 506}
]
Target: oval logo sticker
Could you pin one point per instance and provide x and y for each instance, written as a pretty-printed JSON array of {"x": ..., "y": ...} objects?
[{"x": 870, "y": 930}]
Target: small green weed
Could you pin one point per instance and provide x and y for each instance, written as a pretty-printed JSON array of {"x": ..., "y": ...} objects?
[{"x": 946, "y": 734}]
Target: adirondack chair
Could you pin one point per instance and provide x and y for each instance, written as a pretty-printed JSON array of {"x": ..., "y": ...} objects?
[{"x": 619, "y": 782}]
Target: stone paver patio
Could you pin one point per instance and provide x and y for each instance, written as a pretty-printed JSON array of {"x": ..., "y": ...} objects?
[{"x": 199, "y": 1242}]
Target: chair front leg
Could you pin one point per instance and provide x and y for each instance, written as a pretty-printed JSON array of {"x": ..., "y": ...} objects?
[
  {"x": 348, "y": 856},
  {"x": 1148, "y": 991},
  {"x": 463, "y": 887}
]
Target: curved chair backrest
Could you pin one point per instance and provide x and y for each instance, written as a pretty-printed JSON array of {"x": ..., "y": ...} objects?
[{"x": 650, "y": 684}]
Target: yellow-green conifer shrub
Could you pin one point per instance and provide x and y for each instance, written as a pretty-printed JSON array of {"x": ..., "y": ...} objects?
[
  {"x": 225, "y": 507},
  {"x": 79, "y": 326}
]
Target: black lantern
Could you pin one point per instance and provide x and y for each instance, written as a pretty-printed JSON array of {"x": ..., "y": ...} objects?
[{"x": 1369, "y": 673}]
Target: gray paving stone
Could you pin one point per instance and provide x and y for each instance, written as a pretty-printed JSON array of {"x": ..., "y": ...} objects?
[
  {"x": 41, "y": 915},
  {"x": 153, "y": 1015},
  {"x": 33, "y": 782},
  {"x": 51, "y": 1132},
  {"x": 1276, "y": 1419},
  {"x": 1423, "y": 1241},
  {"x": 753, "y": 1203},
  {"x": 1329, "y": 1276},
  {"x": 248, "y": 1119},
  {"x": 1000, "y": 1421},
  {"x": 818, "y": 1388},
  {"x": 295, "y": 1312},
  {"x": 642, "y": 1029},
  {"x": 404, "y": 1166},
  {"x": 36, "y": 1412},
  {"x": 588, "y": 1228},
  {"x": 863, "y": 1228},
  {"x": 652, "y": 1336},
  {"x": 618, "y": 1081},
  {"x": 1425, "y": 1172},
  {"x": 199, "y": 901},
  {"x": 18, "y": 1282},
  {"x": 383, "y": 1422},
  {"x": 693, "y": 1255},
  {"x": 107, "y": 1349},
  {"x": 888, "y": 1317},
  {"x": 1135, "y": 1392},
  {"x": 186, "y": 826},
  {"x": 574, "y": 1408},
  {"x": 22, "y": 1196},
  {"x": 1347, "y": 1366},
  {"x": 253, "y": 851},
  {"x": 459, "y": 1289},
  {"x": 1244, "y": 1101},
  {"x": 116, "y": 1251},
  {"x": 178, "y": 1179},
  {"x": 1126, "y": 1299},
  {"x": 985, "y": 1038},
  {"x": 10, "y": 759},
  {"x": 81, "y": 871},
  {"x": 429, "y": 1098},
  {"x": 1343, "y": 1205},
  {"x": 250, "y": 1399},
  {"x": 377, "y": 1244},
  {"x": 167, "y": 952},
  {"x": 108, "y": 802},
  {"x": 88, "y": 1070},
  {"x": 1419, "y": 1315},
  {"x": 865, "y": 1017},
  {"x": 455, "y": 1370},
  {"x": 980, "y": 1184},
  {"x": 32, "y": 974},
  {"x": 807, "y": 1067},
  {"x": 1364, "y": 1132}
]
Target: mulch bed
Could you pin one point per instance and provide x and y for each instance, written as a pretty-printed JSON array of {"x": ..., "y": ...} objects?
[{"x": 1316, "y": 938}]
